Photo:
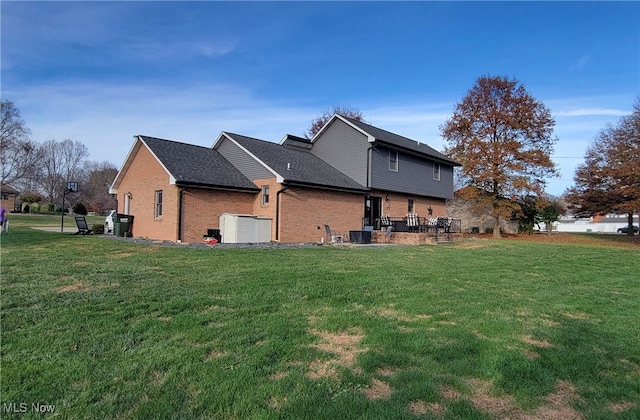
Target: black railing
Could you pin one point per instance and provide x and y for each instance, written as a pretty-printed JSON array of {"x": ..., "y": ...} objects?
[{"x": 433, "y": 226}]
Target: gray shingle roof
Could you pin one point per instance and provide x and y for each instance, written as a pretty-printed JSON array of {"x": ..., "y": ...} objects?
[
  {"x": 197, "y": 165},
  {"x": 384, "y": 136},
  {"x": 297, "y": 166}
]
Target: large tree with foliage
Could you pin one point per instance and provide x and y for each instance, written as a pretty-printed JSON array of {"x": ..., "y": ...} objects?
[
  {"x": 18, "y": 154},
  {"x": 322, "y": 119},
  {"x": 609, "y": 179},
  {"x": 504, "y": 139}
]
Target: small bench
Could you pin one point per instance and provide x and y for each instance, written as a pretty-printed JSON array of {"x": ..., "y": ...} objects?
[{"x": 83, "y": 228}]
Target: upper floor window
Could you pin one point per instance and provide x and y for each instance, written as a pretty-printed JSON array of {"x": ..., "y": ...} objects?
[
  {"x": 158, "y": 204},
  {"x": 436, "y": 171},
  {"x": 410, "y": 206},
  {"x": 265, "y": 195},
  {"x": 393, "y": 160}
]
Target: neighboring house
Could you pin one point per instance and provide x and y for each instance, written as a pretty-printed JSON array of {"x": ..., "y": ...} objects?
[
  {"x": 350, "y": 173},
  {"x": 8, "y": 196},
  {"x": 609, "y": 223}
]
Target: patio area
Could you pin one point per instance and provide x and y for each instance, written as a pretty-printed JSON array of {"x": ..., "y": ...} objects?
[{"x": 412, "y": 229}]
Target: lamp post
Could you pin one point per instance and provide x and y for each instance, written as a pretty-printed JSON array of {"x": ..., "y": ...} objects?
[{"x": 71, "y": 187}]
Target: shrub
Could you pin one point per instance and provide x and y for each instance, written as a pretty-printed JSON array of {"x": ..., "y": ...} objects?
[
  {"x": 25, "y": 207},
  {"x": 35, "y": 208},
  {"x": 51, "y": 207},
  {"x": 80, "y": 209},
  {"x": 98, "y": 229}
]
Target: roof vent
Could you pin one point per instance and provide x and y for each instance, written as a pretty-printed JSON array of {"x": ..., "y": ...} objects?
[{"x": 288, "y": 166}]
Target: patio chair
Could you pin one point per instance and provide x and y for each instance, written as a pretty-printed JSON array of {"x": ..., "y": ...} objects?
[
  {"x": 413, "y": 222},
  {"x": 385, "y": 221},
  {"x": 333, "y": 235},
  {"x": 83, "y": 228}
]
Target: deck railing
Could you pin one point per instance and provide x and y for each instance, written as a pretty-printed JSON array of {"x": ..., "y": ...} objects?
[{"x": 433, "y": 226}]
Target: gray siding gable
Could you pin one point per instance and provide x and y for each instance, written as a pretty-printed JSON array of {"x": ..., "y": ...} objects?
[
  {"x": 397, "y": 141},
  {"x": 239, "y": 158},
  {"x": 344, "y": 148}
]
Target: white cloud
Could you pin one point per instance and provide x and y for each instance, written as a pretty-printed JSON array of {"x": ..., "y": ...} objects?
[
  {"x": 106, "y": 117},
  {"x": 580, "y": 63},
  {"x": 585, "y": 112}
]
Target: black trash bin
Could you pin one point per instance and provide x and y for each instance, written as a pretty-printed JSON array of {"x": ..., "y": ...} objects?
[{"x": 122, "y": 224}]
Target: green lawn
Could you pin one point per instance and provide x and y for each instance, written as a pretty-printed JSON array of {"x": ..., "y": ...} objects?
[{"x": 482, "y": 329}]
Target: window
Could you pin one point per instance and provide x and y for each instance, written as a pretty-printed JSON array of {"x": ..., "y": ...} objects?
[
  {"x": 4, "y": 196},
  {"x": 436, "y": 171},
  {"x": 265, "y": 195},
  {"x": 410, "y": 206},
  {"x": 393, "y": 161},
  {"x": 158, "y": 206}
]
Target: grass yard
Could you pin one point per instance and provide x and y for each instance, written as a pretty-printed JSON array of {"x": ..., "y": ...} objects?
[{"x": 98, "y": 328}]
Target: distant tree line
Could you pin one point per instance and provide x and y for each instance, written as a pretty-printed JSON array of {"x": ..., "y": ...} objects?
[{"x": 40, "y": 171}]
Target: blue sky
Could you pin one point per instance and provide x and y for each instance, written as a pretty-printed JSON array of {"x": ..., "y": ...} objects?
[{"x": 102, "y": 72}]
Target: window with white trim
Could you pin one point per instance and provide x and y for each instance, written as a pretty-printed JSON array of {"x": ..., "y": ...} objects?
[
  {"x": 393, "y": 160},
  {"x": 158, "y": 204},
  {"x": 436, "y": 171},
  {"x": 265, "y": 195}
]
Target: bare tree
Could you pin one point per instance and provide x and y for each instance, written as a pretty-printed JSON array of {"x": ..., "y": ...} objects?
[
  {"x": 503, "y": 138},
  {"x": 18, "y": 154},
  {"x": 61, "y": 162},
  {"x": 96, "y": 179},
  {"x": 322, "y": 119}
]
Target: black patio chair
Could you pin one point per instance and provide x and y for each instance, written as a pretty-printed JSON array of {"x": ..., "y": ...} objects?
[{"x": 83, "y": 228}]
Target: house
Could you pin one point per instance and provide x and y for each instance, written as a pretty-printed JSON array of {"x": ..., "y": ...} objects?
[
  {"x": 609, "y": 223},
  {"x": 348, "y": 175},
  {"x": 8, "y": 196}
]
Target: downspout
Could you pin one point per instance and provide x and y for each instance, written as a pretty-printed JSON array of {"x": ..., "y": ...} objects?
[
  {"x": 278, "y": 211},
  {"x": 368, "y": 165},
  {"x": 182, "y": 189}
]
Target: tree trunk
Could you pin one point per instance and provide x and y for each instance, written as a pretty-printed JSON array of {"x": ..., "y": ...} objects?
[
  {"x": 496, "y": 228},
  {"x": 549, "y": 228},
  {"x": 630, "y": 223}
]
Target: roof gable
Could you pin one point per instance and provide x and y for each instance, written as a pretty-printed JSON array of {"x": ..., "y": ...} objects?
[
  {"x": 375, "y": 134},
  {"x": 188, "y": 164},
  {"x": 294, "y": 165}
]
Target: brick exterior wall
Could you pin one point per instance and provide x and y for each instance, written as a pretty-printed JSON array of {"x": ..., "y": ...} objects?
[
  {"x": 143, "y": 178},
  {"x": 10, "y": 203},
  {"x": 397, "y": 205},
  {"x": 201, "y": 210},
  {"x": 267, "y": 210},
  {"x": 303, "y": 210}
]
